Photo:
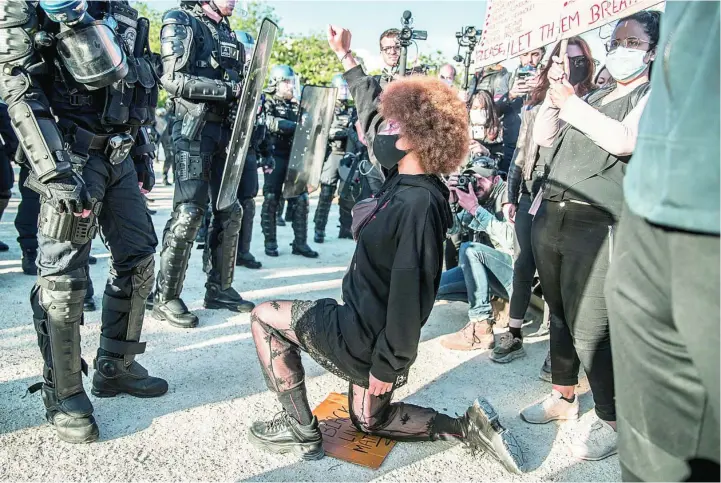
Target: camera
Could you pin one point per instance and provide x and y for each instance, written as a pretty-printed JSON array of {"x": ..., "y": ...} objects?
[
  {"x": 465, "y": 181},
  {"x": 467, "y": 39},
  {"x": 408, "y": 33}
]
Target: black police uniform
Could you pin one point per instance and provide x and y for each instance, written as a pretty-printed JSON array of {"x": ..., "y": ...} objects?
[
  {"x": 83, "y": 161},
  {"x": 202, "y": 67},
  {"x": 7, "y": 177},
  {"x": 281, "y": 117},
  {"x": 337, "y": 141}
]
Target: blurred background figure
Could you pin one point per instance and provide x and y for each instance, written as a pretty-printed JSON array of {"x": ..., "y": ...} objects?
[
  {"x": 603, "y": 77},
  {"x": 447, "y": 73}
]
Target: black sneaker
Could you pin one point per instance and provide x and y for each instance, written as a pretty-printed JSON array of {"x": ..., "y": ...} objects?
[
  {"x": 484, "y": 432},
  {"x": 508, "y": 349},
  {"x": 283, "y": 434}
]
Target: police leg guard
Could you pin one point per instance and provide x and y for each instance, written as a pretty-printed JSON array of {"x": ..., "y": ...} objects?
[
  {"x": 300, "y": 228},
  {"x": 321, "y": 212},
  {"x": 57, "y": 303},
  {"x": 244, "y": 257},
  {"x": 116, "y": 370},
  {"x": 279, "y": 221},
  {"x": 181, "y": 230},
  {"x": 289, "y": 210},
  {"x": 346, "y": 218},
  {"x": 268, "y": 220}
]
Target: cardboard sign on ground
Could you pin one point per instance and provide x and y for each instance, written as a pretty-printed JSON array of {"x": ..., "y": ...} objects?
[{"x": 343, "y": 441}]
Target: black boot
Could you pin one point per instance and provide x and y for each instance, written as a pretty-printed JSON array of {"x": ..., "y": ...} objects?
[
  {"x": 89, "y": 304},
  {"x": 72, "y": 417},
  {"x": 268, "y": 222},
  {"x": 244, "y": 257},
  {"x": 279, "y": 221},
  {"x": 166, "y": 181},
  {"x": 28, "y": 262},
  {"x": 180, "y": 232},
  {"x": 113, "y": 376},
  {"x": 216, "y": 298},
  {"x": 325, "y": 201},
  {"x": 484, "y": 432},
  {"x": 4, "y": 201},
  {"x": 4, "y": 247},
  {"x": 92, "y": 260},
  {"x": 300, "y": 228},
  {"x": 345, "y": 233},
  {"x": 283, "y": 434},
  {"x": 174, "y": 312}
]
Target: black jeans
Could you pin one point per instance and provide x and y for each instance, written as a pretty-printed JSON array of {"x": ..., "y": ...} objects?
[
  {"x": 26, "y": 219},
  {"x": 524, "y": 266},
  {"x": 571, "y": 248},
  {"x": 663, "y": 304}
]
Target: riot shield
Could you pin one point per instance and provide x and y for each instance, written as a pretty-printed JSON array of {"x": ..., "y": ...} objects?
[
  {"x": 246, "y": 112},
  {"x": 310, "y": 141}
]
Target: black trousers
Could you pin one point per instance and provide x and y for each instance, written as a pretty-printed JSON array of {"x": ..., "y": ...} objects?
[
  {"x": 273, "y": 181},
  {"x": 663, "y": 302},
  {"x": 248, "y": 187},
  {"x": 571, "y": 249},
  {"x": 524, "y": 265},
  {"x": 26, "y": 219}
]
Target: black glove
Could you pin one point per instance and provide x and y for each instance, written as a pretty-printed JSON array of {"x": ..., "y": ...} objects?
[
  {"x": 145, "y": 171},
  {"x": 234, "y": 89},
  {"x": 68, "y": 194},
  {"x": 268, "y": 164}
]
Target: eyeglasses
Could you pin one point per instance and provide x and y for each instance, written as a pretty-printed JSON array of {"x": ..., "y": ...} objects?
[
  {"x": 629, "y": 43},
  {"x": 391, "y": 49}
]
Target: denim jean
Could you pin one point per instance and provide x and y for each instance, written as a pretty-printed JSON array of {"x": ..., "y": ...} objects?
[{"x": 483, "y": 272}]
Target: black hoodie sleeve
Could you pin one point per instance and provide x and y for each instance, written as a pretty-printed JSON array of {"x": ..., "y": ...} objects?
[
  {"x": 412, "y": 290},
  {"x": 366, "y": 92}
]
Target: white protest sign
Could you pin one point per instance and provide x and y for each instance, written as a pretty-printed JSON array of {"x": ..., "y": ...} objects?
[{"x": 513, "y": 27}]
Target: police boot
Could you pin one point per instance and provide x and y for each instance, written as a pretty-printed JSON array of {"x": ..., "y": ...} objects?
[
  {"x": 4, "y": 201},
  {"x": 268, "y": 223},
  {"x": 300, "y": 228},
  {"x": 166, "y": 181},
  {"x": 28, "y": 261},
  {"x": 57, "y": 304},
  {"x": 279, "y": 221},
  {"x": 325, "y": 201},
  {"x": 346, "y": 219},
  {"x": 181, "y": 230},
  {"x": 222, "y": 249},
  {"x": 116, "y": 370},
  {"x": 244, "y": 257}
]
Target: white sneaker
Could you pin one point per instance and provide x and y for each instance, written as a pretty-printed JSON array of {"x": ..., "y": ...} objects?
[
  {"x": 551, "y": 408},
  {"x": 595, "y": 439}
]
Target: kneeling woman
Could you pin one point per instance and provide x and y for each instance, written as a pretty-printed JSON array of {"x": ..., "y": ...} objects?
[{"x": 417, "y": 128}]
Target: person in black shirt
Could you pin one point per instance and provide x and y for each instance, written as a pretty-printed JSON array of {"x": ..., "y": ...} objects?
[{"x": 417, "y": 129}]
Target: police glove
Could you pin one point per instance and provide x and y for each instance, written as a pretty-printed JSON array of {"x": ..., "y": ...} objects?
[
  {"x": 234, "y": 89},
  {"x": 69, "y": 195},
  {"x": 268, "y": 164},
  {"x": 146, "y": 173}
]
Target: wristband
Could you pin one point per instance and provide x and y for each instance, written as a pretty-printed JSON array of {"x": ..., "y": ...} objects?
[{"x": 346, "y": 55}]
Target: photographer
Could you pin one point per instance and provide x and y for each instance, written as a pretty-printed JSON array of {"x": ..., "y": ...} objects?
[
  {"x": 390, "y": 48},
  {"x": 371, "y": 340},
  {"x": 484, "y": 270}
]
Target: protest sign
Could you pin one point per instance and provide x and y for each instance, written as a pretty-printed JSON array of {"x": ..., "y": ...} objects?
[
  {"x": 513, "y": 27},
  {"x": 343, "y": 441}
]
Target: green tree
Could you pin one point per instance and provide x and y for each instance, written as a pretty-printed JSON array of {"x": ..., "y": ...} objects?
[{"x": 309, "y": 56}]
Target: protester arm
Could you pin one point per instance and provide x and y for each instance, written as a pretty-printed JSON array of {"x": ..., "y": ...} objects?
[
  {"x": 547, "y": 125},
  {"x": 411, "y": 294},
  {"x": 616, "y": 137},
  {"x": 366, "y": 93}
]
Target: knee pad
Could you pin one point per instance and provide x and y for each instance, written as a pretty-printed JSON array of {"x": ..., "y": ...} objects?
[{"x": 187, "y": 218}]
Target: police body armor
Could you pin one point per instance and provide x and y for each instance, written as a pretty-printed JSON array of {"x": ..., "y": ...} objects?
[
  {"x": 338, "y": 136},
  {"x": 89, "y": 68}
]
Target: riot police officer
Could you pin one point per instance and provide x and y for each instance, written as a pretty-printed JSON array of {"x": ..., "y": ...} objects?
[
  {"x": 337, "y": 142},
  {"x": 281, "y": 115},
  {"x": 9, "y": 144},
  {"x": 103, "y": 97},
  {"x": 202, "y": 66}
]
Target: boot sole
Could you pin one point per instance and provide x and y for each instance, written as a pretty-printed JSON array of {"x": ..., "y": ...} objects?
[
  {"x": 107, "y": 393},
  {"x": 159, "y": 316},
  {"x": 90, "y": 438},
  {"x": 502, "y": 445},
  {"x": 508, "y": 357},
  {"x": 307, "y": 451},
  {"x": 554, "y": 418},
  {"x": 304, "y": 254},
  {"x": 232, "y": 308}
]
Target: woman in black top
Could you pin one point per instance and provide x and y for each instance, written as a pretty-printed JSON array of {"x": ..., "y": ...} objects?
[
  {"x": 591, "y": 141},
  {"x": 417, "y": 129}
]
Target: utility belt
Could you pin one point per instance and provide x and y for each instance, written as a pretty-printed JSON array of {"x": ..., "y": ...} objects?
[{"x": 116, "y": 146}]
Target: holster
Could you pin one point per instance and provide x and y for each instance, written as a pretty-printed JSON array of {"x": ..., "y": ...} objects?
[
  {"x": 66, "y": 227},
  {"x": 193, "y": 120}
]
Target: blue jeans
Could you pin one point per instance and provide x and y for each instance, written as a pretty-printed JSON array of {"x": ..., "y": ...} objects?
[{"x": 483, "y": 272}]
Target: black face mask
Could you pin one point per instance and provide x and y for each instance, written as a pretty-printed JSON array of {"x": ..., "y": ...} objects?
[
  {"x": 385, "y": 151},
  {"x": 579, "y": 69}
]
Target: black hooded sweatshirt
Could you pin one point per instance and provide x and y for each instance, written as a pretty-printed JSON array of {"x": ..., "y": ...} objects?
[{"x": 393, "y": 278}]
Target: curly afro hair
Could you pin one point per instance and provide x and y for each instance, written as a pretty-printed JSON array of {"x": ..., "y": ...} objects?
[{"x": 432, "y": 118}]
